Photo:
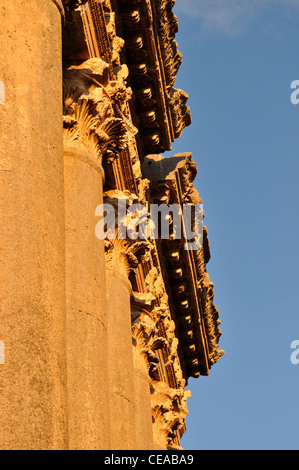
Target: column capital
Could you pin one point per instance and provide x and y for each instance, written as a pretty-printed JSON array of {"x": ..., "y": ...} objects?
[{"x": 91, "y": 118}]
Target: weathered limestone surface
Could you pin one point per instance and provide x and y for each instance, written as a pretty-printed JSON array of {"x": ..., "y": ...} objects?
[
  {"x": 32, "y": 317},
  {"x": 120, "y": 360},
  {"x": 144, "y": 428},
  {"x": 87, "y": 370},
  {"x": 98, "y": 337}
]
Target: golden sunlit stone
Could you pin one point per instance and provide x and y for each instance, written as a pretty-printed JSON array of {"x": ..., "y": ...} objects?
[{"x": 98, "y": 336}]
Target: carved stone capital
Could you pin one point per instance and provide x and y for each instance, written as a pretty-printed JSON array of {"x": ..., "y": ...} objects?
[
  {"x": 90, "y": 115},
  {"x": 147, "y": 341},
  {"x": 124, "y": 256},
  {"x": 169, "y": 410}
]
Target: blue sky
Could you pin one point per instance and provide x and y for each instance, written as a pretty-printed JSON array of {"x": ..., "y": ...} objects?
[{"x": 239, "y": 59}]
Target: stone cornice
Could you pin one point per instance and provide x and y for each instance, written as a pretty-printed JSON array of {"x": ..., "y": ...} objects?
[
  {"x": 190, "y": 291},
  {"x": 148, "y": 28}
]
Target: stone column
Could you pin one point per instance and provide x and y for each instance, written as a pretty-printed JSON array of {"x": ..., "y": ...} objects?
[
  {"x": 142, "y": 328},
  {"x": 32, "y": 310},
  {"x": 88, "y": 394},
  {"x": 143, "y": 420},
  {"x": 120, "y": 357}
]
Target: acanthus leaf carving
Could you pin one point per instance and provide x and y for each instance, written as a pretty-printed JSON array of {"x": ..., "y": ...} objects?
[
  {"x": 123, "y": 252},
  {"x": 169, "y": 408},
  {"x": 123, "y": 255},
  {"x": 90, "y": 119}
]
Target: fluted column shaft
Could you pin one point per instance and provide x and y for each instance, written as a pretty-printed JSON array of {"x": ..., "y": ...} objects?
[
  {"x": 32, "y": 309},
  {"x": 120, "y": 356},
  {"x": 88, "y": 394},
  {"x": 143, "y": 415}
]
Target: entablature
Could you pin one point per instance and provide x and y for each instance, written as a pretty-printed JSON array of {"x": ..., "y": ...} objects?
[
  {"x": 161, "y": 113},
  {"x": 188, "y": 285}
]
